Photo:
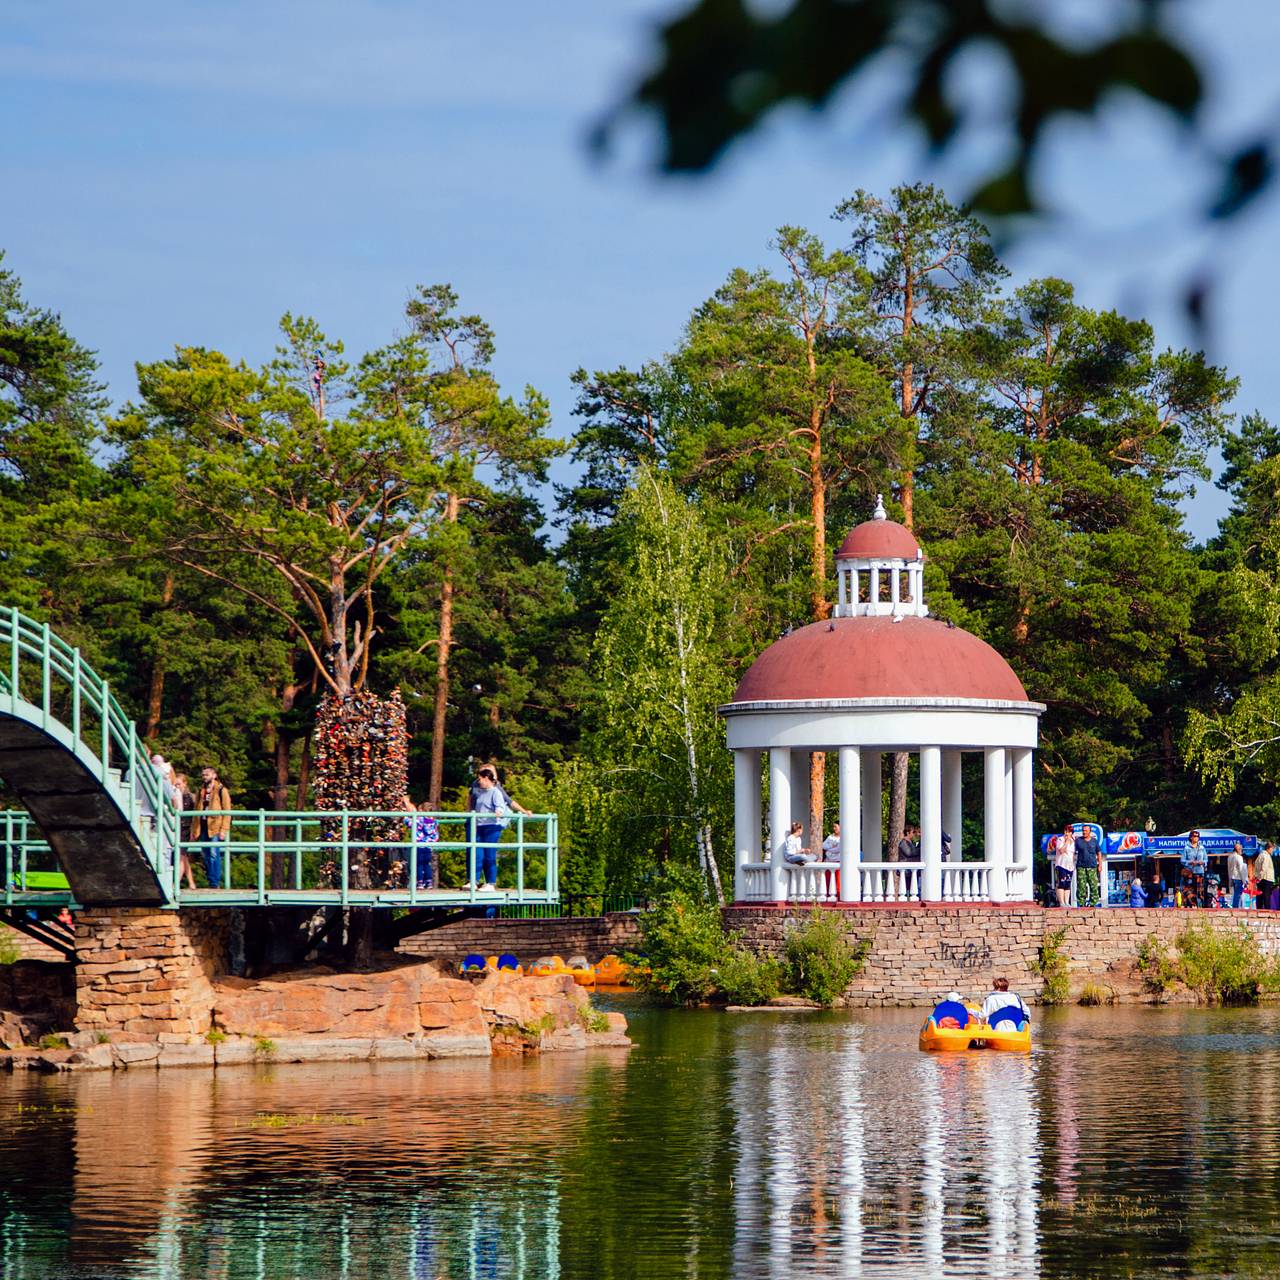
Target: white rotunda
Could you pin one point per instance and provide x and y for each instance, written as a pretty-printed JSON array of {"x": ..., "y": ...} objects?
[{"x": 881, "y": 676}]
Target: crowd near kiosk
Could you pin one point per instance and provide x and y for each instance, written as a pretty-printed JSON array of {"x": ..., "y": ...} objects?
[{"x": 1125, "y": 854}]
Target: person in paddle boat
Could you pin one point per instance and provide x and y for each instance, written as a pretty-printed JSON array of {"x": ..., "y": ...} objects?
[
  {"x": 949, "y": 1020},
  {"x": 1002, "y": 998}
]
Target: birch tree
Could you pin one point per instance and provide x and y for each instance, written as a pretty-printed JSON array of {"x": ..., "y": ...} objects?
[{"x": 660, "y": 674}]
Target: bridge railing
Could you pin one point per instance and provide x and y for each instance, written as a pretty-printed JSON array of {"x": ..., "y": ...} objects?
[
  {"x": 31, "y": 870},
  {"x": 52, "y": 678},
  {"x": 364, "y": 855}
]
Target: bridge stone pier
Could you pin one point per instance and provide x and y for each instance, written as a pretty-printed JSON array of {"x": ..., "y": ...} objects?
[{"x": 149, "y": 973}]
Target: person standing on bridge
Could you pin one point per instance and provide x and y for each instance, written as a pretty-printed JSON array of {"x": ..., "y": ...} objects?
[
  {"x": 491, "y": 805},
  {"x": 185, "y": 801},
  {"x": 215, "y": 827}
]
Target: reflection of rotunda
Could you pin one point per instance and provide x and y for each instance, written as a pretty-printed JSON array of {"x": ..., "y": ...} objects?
[{"x": 882, "y": 676}]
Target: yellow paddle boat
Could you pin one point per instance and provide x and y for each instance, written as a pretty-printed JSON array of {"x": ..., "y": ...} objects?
[
  {"x": 612, "y": 972},
  {"x": 954, "y": 1026},
  {"x": 548, "y": 967}
]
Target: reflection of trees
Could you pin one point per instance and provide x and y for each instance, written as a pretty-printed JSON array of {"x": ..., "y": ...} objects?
[
  {"x": 1131, "y": 1142},
  {"x": 647, "y": 1189},
  {"x": 1155, "y": 1160},
  {"x": 37, "y": 1134}
]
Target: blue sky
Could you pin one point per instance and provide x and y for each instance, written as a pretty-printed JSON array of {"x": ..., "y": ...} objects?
[{"x": 187, "y": 173}]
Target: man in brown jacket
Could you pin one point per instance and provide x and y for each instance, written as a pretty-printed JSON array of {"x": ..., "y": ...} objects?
[{"x": 216, "y": 827}]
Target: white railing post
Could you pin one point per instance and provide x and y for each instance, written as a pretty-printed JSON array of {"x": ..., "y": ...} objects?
[
  {"x": 993, "y": 819},
  {"x": 931, "y": 824},
  {"x": 1023, "y": 834},
  {"x": 849, "y": 780},
  {"x": 746, "y": 816},
  {"x": 779, "y": 818}
]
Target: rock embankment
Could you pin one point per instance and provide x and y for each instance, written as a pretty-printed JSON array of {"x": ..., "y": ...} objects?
[{"x": 318, "y": 1015}]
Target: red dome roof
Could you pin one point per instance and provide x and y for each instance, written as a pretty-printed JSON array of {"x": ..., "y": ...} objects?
[
  {"x": 879, "y": 539},
  {"x": 878, "y": 658}
]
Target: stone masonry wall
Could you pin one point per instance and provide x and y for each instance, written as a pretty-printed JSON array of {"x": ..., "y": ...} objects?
[
  {"x": 28, "y": 948},
  {"x": 918, "y": 954},
  {"x": 148, "y": 973},
  {"x": 591, "y": 936}
]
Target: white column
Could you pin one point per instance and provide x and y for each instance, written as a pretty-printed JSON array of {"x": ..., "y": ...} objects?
[
  {"x": 800, "y": 795},
  {"x": 895, "y": 582},
  {"x": 1023, "y": 833},
  {"x": 1008, "y": 805},
  {"x": 746, "y": 816},
  {"x": 875, "y": 588},
  {"x": 931, "y": 824},
  {"x": 872, "y": 848},
  {"x": 993, "y": 818},
  {"x": 779, "y": 817},
  {"x": 849, "y": 777},
  {"x": 952, "y": 809}
]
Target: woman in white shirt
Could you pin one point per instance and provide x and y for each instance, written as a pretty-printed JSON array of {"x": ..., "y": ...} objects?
[{"x": 1064, "y": 862}]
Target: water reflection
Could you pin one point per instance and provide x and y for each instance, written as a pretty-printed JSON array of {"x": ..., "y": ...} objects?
[{"x": 1132, "y": 1142}]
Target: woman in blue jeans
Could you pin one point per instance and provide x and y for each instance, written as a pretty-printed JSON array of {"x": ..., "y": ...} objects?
[{"x": 491, "y": 804}]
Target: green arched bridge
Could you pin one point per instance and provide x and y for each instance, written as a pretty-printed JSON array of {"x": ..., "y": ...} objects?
[{"x": 97, "y": 826}]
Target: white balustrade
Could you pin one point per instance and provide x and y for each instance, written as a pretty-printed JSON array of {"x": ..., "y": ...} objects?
[
  {"x": 1018, "y": 882},
  {"x": 884, "y": 881},
  {"x": 890, "y": 881},
  {"x": 966, "y": 882},
  {"x": 813, "y": 882},
  {"x": 755, "y": 882}
]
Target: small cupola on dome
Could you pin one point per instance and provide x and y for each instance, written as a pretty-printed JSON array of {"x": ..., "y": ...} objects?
[{"x": 880, "y": 570}]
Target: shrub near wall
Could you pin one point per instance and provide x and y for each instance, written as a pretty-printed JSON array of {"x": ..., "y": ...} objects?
[
  {"x": 917, "y": 954},
  {"x": 1220, "y": 965}
]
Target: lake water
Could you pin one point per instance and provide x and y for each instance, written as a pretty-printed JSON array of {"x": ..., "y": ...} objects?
[{"x": 1132, "y": 1142}]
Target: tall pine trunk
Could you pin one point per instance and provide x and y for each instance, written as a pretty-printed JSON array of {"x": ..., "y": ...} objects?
[
  {"x": 155, "y": 693},
  {"x": 444, "y": 644},
  {"x": 901, "y": 760}
]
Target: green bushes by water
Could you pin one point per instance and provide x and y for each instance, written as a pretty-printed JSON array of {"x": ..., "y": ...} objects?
[
  {"x": 821, "y": 961},
  {"x": 1050, "y": 965},
  {"x": 1224, "y": 966},
  {"x": 688, "y": 958}
]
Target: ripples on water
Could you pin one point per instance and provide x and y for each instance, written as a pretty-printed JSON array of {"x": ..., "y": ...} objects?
[{"x": 1132, "y": 1142}]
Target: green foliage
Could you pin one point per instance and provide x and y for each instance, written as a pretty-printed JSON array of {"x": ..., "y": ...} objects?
[
  {"x": 1159, "y": 970},
  {"x": 53, "y": 1041},
  {"x": 595, "y": 1020},
  {"x": 722, "y": 70},
  {"x": 688, "y": 958},
  {"x": 263, "y": 1047},
  {"x": 683, "y": 942},
  {"x": 820, "y": 959},
  {"x": 215, "y": 1036},
  {"x": 745, "y": 978},
  {"x": 1093, "y": 994},
  {"x": 10, "y": 952},
  {"x": 1051, "y": 965},
  {"x": 225, "y": 545},
  {"x": 1222, "y": 966},
  {"x": 659, "y": 675}
]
